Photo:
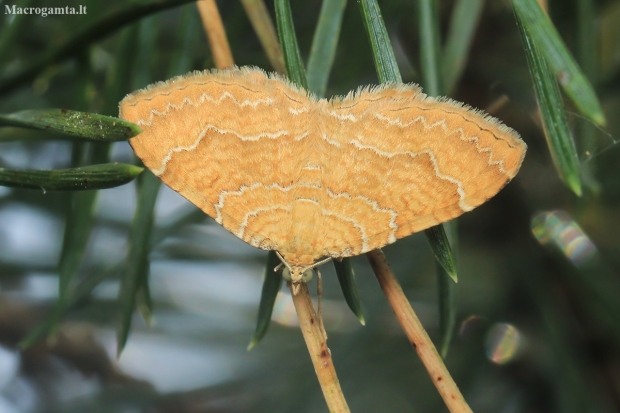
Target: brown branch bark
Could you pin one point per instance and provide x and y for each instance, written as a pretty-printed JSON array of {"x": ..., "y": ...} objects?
[
  {"x": 317, "y": 347},
  {"x": 417, "y": 335}
]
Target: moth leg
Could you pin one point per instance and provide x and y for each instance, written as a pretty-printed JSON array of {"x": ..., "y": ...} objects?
[{"x": 319, "y": 294}]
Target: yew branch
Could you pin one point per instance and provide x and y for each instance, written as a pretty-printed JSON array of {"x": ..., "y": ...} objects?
[
  {"x": 317, "y": 347},
  {"x": 417, "y": 335}
]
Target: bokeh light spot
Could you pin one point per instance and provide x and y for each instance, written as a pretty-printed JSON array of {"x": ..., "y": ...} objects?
[
  {"x": 503, "y": 343},
  {"x": 558, "y": 229}
]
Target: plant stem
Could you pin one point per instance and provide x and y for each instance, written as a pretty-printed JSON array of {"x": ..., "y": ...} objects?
[
  {"x": 263, "y": 26},
  {"x": 216, "y": 34},
  {"x": 417, "y": 335},
  {"x": 317, "y": 348}
]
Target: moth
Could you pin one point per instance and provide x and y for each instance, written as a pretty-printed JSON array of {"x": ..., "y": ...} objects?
[{"x": 315, "y": 179}]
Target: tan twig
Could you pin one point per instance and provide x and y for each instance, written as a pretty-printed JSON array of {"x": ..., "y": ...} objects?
[
  {"x": 266, "y": 32},
  {"x": 214, "y": 28},
  {"x": 417, "y": 335},
  {"x": 317, "y": 347}
]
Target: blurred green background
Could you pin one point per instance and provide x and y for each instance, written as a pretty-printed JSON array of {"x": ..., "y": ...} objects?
[{"x": 538, "y": 314}]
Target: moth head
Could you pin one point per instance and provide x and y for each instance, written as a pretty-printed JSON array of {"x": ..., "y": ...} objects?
[{"x": 297, "y": 274}]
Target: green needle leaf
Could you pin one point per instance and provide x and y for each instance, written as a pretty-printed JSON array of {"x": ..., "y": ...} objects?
[
  {"x": 73, "y": 179},
  {"x": 78, "y": 224},
  {"x": 463, "y": 22},
  {"x": 557, "y": 131},
  {"x": 324, "y": 45},
  {"x": 286, "y": 32},
  {"x": 447, "y": 309},
  {"x": 550, "y": 45},
  {"x": 272, "y": 283},
  {"x": 385, "y": 61},
  {"x": 77, "y": 230},
  {"x": 144, "y": 301},
  {"x": 430, "y": 47},
  {"x": 438, "y": 240},
  {"x": 135, "y": 278},
  {"x": 447, "y": 287},
  {"x": 81, "y": 125},
  {"x": 346, "y": 277}
]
